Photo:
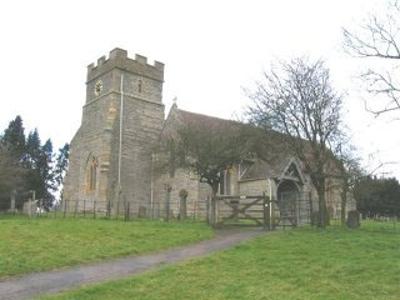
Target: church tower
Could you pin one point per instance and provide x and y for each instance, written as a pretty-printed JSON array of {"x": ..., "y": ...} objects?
[{"x": 110, "y": 155}]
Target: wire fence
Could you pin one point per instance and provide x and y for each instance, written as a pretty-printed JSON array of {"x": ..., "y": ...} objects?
[
  {"x": 24, "y": 202},
  {"x": 96, "y": 208}
]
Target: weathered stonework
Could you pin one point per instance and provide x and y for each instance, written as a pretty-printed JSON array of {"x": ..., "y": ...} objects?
[
  {"x": 111, "y": 165},
  {"x": 126, "y": 178}
]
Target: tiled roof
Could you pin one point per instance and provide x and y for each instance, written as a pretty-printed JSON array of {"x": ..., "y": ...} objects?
[
  {"x": 273, "y": 155},
  {"x": 191, "y": 118}
]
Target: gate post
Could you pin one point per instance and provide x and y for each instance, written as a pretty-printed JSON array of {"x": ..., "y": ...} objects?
[
  {"x": 271, "y": 214},
  {"x": 265, "y": 205}
]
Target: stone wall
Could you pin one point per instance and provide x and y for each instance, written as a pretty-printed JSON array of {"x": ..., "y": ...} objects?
[
  {"x": 99, "y": 134},
  {"x": 198, "y": 193},
  {"x": 254, "y": 187}
]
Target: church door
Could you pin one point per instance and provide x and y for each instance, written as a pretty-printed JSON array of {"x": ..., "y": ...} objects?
[{"x": 288, "y": 197}]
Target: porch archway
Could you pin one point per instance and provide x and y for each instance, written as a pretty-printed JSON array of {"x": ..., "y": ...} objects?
[{"x": 288, "y": 193}]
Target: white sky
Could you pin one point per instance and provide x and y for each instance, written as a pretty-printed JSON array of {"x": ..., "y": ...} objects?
[{"x": 211, "y": 49}]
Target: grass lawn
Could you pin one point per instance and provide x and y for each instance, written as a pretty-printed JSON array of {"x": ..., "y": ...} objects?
[
  {"x": 46, "y": 243},
  {"x": 298, "y": 264}
]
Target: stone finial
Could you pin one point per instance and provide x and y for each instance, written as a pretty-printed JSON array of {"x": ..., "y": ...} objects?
[{"x": 174, "y": 101}]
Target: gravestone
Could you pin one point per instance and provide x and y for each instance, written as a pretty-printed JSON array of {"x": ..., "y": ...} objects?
[
  {"x": 142, "y": 211},
  {"x": 12, "y": 204},
  {"x": 353, "y": 219},
  {"x": 30, "y": 208}
]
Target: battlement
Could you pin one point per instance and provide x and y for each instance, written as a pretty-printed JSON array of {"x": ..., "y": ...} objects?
[{"x": 118, "y": 58}]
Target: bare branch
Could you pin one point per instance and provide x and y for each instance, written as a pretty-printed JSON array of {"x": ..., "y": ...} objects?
[
  {"x": 296, "y": 99},
  {"x": 379, "y": 38}
]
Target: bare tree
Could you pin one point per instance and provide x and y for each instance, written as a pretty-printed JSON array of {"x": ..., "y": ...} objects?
[
  {"x": 296, "y": 98},
  {"x": 379, "y": 38},
  {"x": 349, "y": 171},
  {"x": 205, "y": 148}
]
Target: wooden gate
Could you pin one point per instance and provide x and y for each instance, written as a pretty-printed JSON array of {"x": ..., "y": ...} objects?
[
  {"x": 240, "y": 210},
  {"x": 261, "y": 211}
]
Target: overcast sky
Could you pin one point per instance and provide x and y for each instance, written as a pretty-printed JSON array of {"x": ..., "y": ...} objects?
[{"x": 211, "y": 50}]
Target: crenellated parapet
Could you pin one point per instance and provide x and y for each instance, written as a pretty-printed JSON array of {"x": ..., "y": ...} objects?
[{"x": 118, "y": 58}]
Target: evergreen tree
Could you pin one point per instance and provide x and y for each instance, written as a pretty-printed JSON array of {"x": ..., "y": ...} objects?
[
  {"x": 27, "y": 164},
  {"x": 12, "y": 150},
  {"x": 14, "y": 138},
  {"x": 61, "y": 166},
  {"x": 39, "y": 161},
  {"x": 11, "y": 175},
  {"x": 33, "y": 145},
  {"x": 33, "y": 180},
  {"x": 378, "y": 196},
  {"x": 45, "y": 167}
]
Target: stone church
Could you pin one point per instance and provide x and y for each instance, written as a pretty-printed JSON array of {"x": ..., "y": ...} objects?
[{"x": 111, "y": 154}]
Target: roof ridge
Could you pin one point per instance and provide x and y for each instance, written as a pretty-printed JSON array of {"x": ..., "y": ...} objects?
[{"x": 207, "y": 116}]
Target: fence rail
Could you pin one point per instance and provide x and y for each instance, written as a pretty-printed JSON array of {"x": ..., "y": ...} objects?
[
  {"x": 87, "y": 208},
  {"x": 253, "y": 210}
]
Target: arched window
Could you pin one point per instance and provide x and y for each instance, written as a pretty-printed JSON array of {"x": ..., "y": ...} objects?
[
  {"x": 225, "y": 182},
  {"x": 91, "y": 174},
  {"x": 228, "y": 182}
]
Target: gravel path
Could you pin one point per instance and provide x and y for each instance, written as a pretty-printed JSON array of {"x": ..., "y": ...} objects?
[{"x": 32, "y": 285}]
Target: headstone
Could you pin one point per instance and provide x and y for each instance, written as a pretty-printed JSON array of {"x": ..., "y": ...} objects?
[
  {"x": 142, "y": 211},
  {"x": 30, "y": 208},
  {"x": 12, "y": 204},
  {"x": 353, "y": 219}
]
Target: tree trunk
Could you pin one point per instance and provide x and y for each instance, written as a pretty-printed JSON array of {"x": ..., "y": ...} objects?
[
  {"x": 211, "y": 211},
  {"x": 213, "y": 205},
  {"x": 323, "y": 211}
]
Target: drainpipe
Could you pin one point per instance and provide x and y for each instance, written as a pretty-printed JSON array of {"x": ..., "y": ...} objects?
[
  {"x": 121, "y": 115},
  {"x": 152, "y": 188}
]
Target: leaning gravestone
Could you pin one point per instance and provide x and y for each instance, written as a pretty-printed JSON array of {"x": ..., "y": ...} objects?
[{"x": 353, "y": 219}]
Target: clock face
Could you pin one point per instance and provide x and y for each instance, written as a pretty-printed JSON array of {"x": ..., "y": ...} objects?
[{"x": 98, "y": 87}]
